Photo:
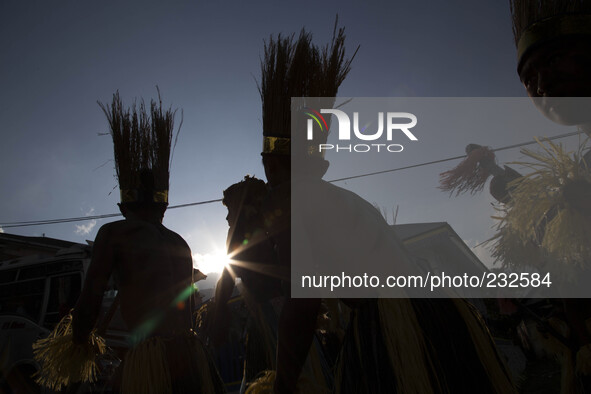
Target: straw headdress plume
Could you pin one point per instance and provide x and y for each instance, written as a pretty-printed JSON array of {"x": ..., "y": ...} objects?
[
  {"x": 472, "y": 172},
  {"x": 142, "y": 142},
  {"x": 549, "y": 208},
  {"x": 538, "y": 21},
  {"x": 297, "y": 69}
]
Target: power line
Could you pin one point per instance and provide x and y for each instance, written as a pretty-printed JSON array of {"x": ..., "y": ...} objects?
[
  {"x": 95, "y": 217},
  {"x": 110, "y": 215},
  {"x": 454, "y": 158}
]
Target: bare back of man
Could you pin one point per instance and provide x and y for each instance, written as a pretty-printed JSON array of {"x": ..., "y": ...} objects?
[{"x": 151, "y": 266}]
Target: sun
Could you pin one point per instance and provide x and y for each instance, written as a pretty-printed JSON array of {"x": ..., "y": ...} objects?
[{"x": 211, "y": 262}]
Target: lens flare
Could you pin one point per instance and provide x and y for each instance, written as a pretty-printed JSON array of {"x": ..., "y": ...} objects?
[{"x": 211, "y": 262}]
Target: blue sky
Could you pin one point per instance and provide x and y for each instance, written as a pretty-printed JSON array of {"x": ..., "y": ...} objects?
[{"x": 58, "y": 58}]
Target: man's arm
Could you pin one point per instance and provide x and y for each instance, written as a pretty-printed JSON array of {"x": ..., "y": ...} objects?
[
  {"x": 219, "y": 320},
  {"x": 297, "y": 320},
  {"x": 224, "y": 287},
  {"x": 88, "y": 306},
  {"x": 297, "y": 324}
]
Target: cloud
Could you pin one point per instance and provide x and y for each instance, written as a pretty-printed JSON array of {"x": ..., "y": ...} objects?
[{"x": 84, "y": 229}]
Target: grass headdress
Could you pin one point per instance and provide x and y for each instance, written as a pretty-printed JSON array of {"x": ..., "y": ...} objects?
[
  {"x": 549, "y": 210},
  {"x": 142, "y": 141},
  {"x": 297, "y": 69}
]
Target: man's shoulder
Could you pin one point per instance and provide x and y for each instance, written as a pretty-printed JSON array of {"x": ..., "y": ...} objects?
[
  {"x": 174, "y": 236},
  {"x": 323, "y": 202},
  {"x": 111, "y": 227},
  {"x": 329, "y": 194},
  {"x": 109, "y": 234},
  {"x": 173, "y": 233},
  {"x": 119, "y": 226},
  {"x": 125, "y": 231},
  {"x": 120, "y": 229}
]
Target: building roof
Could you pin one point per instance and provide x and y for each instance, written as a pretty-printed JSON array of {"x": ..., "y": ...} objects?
[
  {"x": 410, "y": 230},
  {"x": 440, "y": 245},
  {"x": 13, "y": 246}
]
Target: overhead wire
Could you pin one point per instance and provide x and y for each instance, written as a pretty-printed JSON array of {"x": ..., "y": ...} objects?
[{"x": 110, "y": 215}]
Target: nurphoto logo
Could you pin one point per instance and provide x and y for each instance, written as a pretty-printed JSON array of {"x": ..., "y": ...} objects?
[{"x": 396, "y": 123}]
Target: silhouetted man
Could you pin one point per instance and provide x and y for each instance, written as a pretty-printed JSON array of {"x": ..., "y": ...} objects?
[
  {"x": 554, "y": 62},
  {"x": 151, "y": 265},
  {"x": 392, "y": 345}
]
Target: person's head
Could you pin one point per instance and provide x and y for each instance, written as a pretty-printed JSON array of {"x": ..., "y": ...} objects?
[
  {"x": 277, "y": 168},
  {"x": 244, "y": 198},
  {"x": 555, "y": 70},
  {"x": 149, "y": 211},
  {"x": 558, "y": 68},
  {"x": 553, "y": 40},
  {"x": 144, "y": 201}
]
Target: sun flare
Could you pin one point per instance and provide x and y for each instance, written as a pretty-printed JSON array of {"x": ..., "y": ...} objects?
[{"x": 211, "y": 262}]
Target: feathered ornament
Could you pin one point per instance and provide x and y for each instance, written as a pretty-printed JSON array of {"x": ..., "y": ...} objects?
[
  {"x": 64, "y": 362},
  {"x": 471, "y": 174}
]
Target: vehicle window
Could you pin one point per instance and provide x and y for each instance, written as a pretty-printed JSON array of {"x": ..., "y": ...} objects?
[
  {"x": 63, "y": 294},
  {"x": 23, "y": 298}
]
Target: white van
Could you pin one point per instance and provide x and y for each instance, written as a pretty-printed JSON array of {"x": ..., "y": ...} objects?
[{"x": 35, "y": 293}]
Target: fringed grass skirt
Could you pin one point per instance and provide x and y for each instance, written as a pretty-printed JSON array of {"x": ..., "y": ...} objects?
[
  {"x": 178, "y": 364},
  {"x": 419, "y": 346}
]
